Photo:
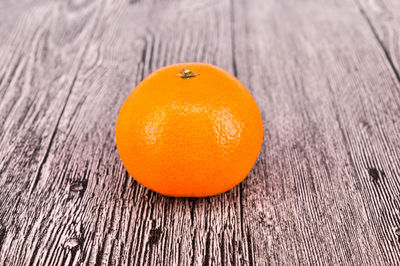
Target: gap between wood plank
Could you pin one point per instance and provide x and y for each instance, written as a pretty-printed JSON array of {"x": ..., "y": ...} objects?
[{"x": 381, "y": 44}]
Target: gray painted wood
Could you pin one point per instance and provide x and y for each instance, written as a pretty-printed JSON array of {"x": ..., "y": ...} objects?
[{"x": 325, "y": 189}]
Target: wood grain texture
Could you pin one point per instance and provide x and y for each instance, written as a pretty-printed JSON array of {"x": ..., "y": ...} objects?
[{"x": 324, "y": 190}]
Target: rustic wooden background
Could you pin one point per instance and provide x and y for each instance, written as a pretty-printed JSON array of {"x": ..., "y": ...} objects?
[{"x": 325, "y": 188}]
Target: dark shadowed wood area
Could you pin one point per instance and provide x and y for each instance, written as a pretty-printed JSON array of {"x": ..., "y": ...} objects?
[{"x": 326, "y": 186}]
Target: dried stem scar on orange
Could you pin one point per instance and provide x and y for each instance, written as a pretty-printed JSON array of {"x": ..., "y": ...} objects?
[{"x": 189, "y": 130}]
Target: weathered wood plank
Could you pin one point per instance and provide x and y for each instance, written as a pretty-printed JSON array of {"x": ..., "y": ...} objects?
[
  {"x": 331, "y": 116},
  {"x": 325, "y": 189},
  {"x": 46, "y": 54},
  {"x": 382, "y": 17}
]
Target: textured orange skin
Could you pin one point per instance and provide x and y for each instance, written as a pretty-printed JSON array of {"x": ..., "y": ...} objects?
[{"x": 192, "y": 137}]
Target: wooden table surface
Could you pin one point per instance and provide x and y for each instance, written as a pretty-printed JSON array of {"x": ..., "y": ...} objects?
[{"x": 325, "y": 188}]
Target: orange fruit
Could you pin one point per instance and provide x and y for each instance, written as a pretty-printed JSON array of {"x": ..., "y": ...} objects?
[{"x": 189, "y": 130}]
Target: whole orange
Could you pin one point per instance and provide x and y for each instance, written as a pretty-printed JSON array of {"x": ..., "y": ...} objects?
[{"x": 189, "y": 130}]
